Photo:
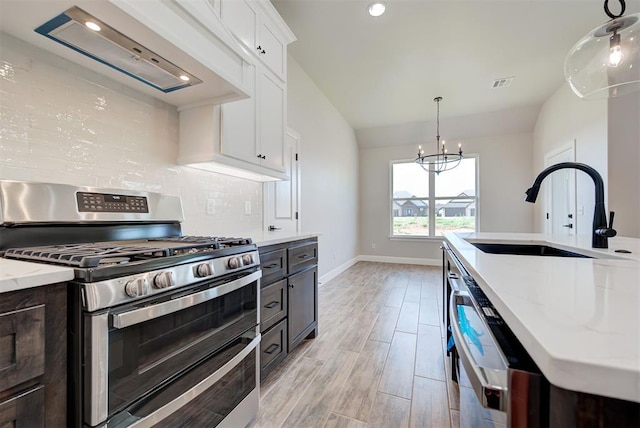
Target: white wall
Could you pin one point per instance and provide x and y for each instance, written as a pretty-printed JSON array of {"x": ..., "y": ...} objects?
[
  {"x": 329, "y": 170},
  {"x": 624, "y": 163},
  {"x": 62, "y": 123},
  {"x": 563, "y": 118},
  {"x": 504, "y": 174}
]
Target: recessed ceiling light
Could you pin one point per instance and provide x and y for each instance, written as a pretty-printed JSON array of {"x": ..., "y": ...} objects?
[
  {"x": 377, "y": 9},
  {"x": 92, "y": 26},
  {"x": 184, "y": 78}
]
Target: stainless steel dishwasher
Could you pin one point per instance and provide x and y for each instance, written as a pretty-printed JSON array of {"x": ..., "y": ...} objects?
[{"x": 508, "y": 387}]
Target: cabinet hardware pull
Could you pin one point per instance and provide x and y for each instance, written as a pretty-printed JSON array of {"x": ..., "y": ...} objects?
[
  {"x": 272, "y": 305},
  {"x": 291, "y": 285},
  {"x": 303, "y": 256},
  {"x": 271, "y": 349},
  {"x": 271, "y": 266}
]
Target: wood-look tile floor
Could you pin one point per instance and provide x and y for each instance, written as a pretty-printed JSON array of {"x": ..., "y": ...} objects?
[{"x": 379, "y": 359}]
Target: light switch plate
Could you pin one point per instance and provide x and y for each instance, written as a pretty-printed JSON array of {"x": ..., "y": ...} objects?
[{"x": 247, "y": 207}]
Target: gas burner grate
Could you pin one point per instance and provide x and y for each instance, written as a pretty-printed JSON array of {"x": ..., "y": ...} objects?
[{"x": 86, "y": 255}]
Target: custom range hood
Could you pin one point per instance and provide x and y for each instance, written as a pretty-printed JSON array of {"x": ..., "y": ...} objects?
[
  {"x": 175, "y": 50},
  {"x": 88, "y": 35}
]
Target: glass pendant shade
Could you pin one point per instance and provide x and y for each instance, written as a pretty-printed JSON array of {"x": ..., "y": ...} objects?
[{"x": 606, "y": 62}]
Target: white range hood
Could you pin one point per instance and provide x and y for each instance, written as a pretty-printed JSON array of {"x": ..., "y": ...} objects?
[{"x": 170, "y": 40}]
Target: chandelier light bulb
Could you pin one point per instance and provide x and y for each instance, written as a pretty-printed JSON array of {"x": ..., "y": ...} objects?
[{"x": 615, "y": 51}]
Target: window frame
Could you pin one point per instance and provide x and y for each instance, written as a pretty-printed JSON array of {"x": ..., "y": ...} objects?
[{"x": 432, "y": 200}]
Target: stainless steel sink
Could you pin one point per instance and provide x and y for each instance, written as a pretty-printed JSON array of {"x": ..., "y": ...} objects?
[{"x": 526, "y": 250}]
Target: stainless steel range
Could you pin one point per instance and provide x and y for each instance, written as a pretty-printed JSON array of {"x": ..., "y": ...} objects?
[{"x": 163, "y": 327}]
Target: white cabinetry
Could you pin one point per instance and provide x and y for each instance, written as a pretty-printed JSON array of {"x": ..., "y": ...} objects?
[{"x": 245, "y": 138}]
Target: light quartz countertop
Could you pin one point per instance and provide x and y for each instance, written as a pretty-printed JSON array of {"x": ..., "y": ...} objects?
[
  {"x": 264, "y": 239},
  {"x": 19, "y": 275},
  {"x": 578, "y": 318}
]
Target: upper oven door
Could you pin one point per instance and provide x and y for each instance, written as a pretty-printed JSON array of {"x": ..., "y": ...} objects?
[{"x": 133, "y": 350}]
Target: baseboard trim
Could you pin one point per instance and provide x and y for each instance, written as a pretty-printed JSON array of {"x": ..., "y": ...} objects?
[
  {"x": 401, "y": 260},
  {"x": 337, "y": 271}
]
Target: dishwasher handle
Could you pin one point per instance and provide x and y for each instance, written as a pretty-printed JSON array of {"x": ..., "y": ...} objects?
[{"x": 489, "y": 384}]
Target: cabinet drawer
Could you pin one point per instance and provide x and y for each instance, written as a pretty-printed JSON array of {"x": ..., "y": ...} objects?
[
  {"x": 273, "y": 299},
  {"x": 21, "y": 346},
  {"x": 24, "y": 410},
  {"x": 302, "y": 256},
  {"x": 273, "y": 347},
  {"x": 273, "y": 265}
]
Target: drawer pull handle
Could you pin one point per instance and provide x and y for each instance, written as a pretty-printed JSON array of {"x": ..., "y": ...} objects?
[
  {"x": 271, "y": 349},
  {"x": 271, "y": 266},
  {"x": 272, "y": 305},
  {"x": 303, "y": 256}
]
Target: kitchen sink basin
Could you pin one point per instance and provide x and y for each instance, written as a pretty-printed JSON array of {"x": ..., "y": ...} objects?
[{"x": 526, "y": 250}]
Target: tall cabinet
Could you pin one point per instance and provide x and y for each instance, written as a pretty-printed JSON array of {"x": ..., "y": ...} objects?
[{"x": 245, "y": 138}]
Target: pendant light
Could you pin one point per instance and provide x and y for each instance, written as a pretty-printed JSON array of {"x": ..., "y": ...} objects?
[
  {"x": 441, "y": 160},
  {"x": 606, "y": 62}
]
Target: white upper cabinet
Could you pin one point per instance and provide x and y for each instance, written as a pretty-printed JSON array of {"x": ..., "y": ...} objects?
[{"x": 259, "y": 27}]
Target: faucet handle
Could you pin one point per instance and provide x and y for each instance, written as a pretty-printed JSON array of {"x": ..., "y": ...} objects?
[{"x": 609, "y": 231}]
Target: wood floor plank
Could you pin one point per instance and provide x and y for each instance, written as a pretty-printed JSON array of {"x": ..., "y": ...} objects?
[
  {"x": 396, "y": 297},
  {"x": 339, "y": 421},
  {"x": 385, "y": 324},
  {"x": 377, "y": 302},
  {"x": 397, "y": 377},
  {"x": 429, "y": 353},
  {"x": 429, "y": 312},
  {"x": 315, "y": 404},
  {"x": 389, "y": 411},
  {"x": 413, "y": 291},
  {"x": 281, "y": 370},
  {"x": 361, "y": 385},
  {"x": 429, "y": 404},
  {"x": 357, "y": 333},
  {"x": 408, "y": 318},
  {"x": 276, "y": 406}
]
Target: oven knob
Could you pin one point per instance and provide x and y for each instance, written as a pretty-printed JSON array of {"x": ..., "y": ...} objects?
[
  {"x": 234, "y": 263},
  {"x": 136, "y": 287},
  {"x": 163, "y": 280},
  {"x": 204, "y": 270},
  {"x": 247, "y": 259}
]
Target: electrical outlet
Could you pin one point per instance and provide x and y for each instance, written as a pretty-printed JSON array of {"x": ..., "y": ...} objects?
[
  {"x": 211, "y": 206},
  {"x": 247, "y": 207}
]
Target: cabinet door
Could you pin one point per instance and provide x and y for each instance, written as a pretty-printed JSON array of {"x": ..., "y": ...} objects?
[
  {"x": 272, "y": 50},
  {"x": 241, "y": 20},
  {"x": 271, "y": 119},
  {"x": 302, "y": 313},
  {"x": 238, "y": 128}
]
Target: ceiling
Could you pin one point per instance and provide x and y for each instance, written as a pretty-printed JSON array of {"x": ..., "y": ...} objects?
[{"x": 385, "y": 71}]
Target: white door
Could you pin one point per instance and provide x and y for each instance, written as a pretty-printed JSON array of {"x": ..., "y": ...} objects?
[
  {"x": 560, "y": 193},
  {"x": 281, "y": 198}
]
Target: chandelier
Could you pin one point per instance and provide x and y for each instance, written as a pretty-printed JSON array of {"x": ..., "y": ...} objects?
[
  {"x": 441, "y": 160},
  {"x": 606, "y": 62}
]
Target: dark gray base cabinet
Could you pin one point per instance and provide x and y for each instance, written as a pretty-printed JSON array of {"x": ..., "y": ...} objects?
[
  {"x": 288, "y": 299},
  {"x": 303, "y": 306},
  {"x": 33, "y": 357}
]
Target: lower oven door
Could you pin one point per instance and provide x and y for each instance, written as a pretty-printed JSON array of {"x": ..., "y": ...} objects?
[{"x": 145, "y": 360}]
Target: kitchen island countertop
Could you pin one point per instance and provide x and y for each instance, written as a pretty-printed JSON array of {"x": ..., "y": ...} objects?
[
  {"x": 578, "y": 318},
  {"x": 18, "y": 275}
]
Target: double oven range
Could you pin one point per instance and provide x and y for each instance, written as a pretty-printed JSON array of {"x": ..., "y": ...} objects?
[{"x": 163, "y": 328}]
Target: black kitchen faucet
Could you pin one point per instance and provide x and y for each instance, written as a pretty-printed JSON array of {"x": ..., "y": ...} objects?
[{"x": 601, "y": 232}]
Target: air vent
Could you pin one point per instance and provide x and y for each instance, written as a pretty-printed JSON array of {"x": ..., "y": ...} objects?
[
  {"x": 84, "y": 33},
  {"x": 503, "y": 82}
]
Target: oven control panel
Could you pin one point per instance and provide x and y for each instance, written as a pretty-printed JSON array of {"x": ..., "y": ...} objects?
[{"x": 111, "y": 203}]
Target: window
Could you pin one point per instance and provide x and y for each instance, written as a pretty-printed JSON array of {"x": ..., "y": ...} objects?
[{"x": 427, "y": 204}]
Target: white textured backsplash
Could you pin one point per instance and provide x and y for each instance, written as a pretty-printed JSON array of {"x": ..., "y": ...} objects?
[{"x": 62, "y": 123}]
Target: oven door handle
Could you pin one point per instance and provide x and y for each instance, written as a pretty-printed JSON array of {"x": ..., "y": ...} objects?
[
  {"x": 146, "y": 313},
  {"x": 490, "y": 385}
]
